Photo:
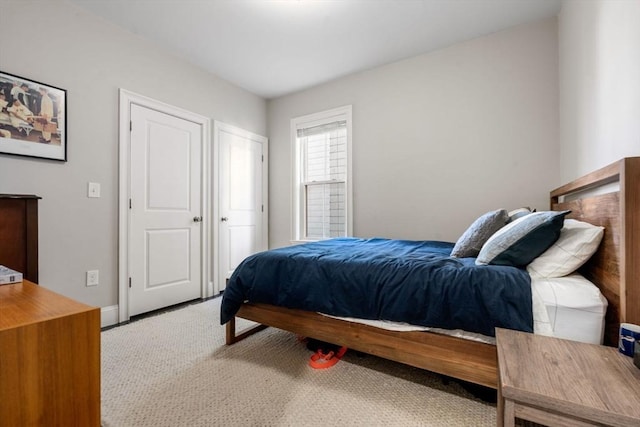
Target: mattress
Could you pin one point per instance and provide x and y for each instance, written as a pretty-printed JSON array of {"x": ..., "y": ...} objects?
[
  {"x": 569, "y": 307},
  {"x": 574, "y": 306}
]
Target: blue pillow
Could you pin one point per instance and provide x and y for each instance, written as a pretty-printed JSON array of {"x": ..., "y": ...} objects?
[{"x": 521, "y": 241}]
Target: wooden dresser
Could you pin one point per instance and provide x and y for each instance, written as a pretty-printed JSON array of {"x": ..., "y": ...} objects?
[
  {"x": 49, "y": 359},
  {"x": 19, "y": 234}
]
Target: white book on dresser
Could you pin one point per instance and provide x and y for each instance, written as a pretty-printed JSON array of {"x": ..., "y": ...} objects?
[{"x": 8, "y": 275}]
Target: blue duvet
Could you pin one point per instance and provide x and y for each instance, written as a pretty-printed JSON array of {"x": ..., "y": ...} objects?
[{"x": 406, "y": 281}]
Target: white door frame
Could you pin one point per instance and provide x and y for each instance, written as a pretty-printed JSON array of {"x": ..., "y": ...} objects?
[
  {"x": 128, "y": 98},
  {"x": 215, "y": 210}
]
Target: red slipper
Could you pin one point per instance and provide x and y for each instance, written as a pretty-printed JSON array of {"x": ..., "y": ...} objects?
[{"x": 322, "y": 361}]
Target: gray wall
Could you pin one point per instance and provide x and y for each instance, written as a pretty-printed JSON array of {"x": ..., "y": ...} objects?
[
  {"x": 438, "y": 139},
  {"x": 57, "y": 43},
  {"x": 599, "y": 45}
]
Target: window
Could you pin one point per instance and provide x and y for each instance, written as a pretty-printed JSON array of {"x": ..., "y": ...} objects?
[{"x": 322, "y": 175}]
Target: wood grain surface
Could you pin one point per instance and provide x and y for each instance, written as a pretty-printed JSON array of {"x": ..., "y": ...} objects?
[
  {"x": 585, "y": 381},
  {"x": 49, "y": 359},
  {"x": 26, "y": 303},
  {"x": 19, "y": 234},
  {"x": 615, "y": 267},
  {"x": 468, "y": 360}
]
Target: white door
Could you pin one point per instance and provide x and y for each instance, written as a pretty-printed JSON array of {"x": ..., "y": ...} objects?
[
  {"x": 165, "y": 210},
  {"x": 242, "y": 198}
]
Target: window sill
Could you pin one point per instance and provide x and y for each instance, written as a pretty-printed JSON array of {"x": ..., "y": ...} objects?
[{"x": 300, "y": 242}]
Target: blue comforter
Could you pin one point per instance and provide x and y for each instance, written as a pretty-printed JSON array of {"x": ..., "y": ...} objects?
[{"x": 406, "y": 281}]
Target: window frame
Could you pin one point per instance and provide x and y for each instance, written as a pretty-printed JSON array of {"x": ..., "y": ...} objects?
[{"x": 298, "y": 208}]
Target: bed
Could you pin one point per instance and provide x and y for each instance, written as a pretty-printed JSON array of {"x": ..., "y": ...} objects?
[{"x": 612, "y": 269}]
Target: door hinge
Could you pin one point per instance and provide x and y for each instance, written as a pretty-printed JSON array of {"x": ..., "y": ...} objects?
[
  {"x": 129, "y": 203},
  {"x": 263, "y": 158},
  {"x": 130, "y": 125},
  {"x": 129, "y": 281},
  {"x": 262, "y": 208}
]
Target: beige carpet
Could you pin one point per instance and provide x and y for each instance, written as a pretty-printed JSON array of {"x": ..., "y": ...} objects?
[{"x": 174, "y": 370}]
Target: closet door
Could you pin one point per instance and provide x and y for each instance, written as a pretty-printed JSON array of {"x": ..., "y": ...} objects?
[
  {"x": 165, "y": 210},
  {"x": 241, "y": 197}
]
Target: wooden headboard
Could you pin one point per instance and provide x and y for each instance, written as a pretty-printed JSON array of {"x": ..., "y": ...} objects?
[{"x": 615, "y": 267}]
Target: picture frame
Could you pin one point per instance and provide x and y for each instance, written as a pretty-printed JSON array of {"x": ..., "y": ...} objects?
[{"x": 33, "y": 118}]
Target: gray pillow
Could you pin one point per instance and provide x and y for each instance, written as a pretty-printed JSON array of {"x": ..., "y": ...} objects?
[
  {"x": 521, "y": 241},
  {"x": 471, "y": 241}
]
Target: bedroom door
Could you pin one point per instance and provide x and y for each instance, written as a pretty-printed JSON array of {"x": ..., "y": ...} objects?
[
  {"x": 242, "y": 194},
  {"x": 165, "y": 210}
]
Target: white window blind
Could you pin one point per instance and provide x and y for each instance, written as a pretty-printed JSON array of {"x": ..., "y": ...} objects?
[
  {"x": 323, "y": 171},
  {"x": 324, "y": 179}
]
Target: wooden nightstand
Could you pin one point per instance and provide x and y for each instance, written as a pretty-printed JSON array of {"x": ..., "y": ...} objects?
[{"x": 559, "y": 382}]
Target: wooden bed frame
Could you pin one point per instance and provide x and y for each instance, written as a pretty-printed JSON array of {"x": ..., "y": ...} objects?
[{"x": 615, "y": 269}]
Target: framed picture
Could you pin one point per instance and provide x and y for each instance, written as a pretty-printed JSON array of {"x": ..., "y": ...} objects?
[{"x": 32, "y": 118}]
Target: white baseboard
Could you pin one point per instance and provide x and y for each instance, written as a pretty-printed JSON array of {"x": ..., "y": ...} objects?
[{"x": 108, "y": 316}]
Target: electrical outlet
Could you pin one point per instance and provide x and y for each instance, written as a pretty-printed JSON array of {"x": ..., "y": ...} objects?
[
  {"x": 92, "y": 278},
  {"x": 93, "y": 189}
]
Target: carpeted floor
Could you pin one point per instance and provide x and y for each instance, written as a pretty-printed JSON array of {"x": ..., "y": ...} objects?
[{"x": 174, "y": 370}]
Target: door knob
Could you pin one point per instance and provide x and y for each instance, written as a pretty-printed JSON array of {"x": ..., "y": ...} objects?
[
  {"x": 224, "y": 218},
  {"x": 197, "y": 219}
]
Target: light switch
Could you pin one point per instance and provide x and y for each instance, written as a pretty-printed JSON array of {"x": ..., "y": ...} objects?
[{"x": 94, "y": 190}]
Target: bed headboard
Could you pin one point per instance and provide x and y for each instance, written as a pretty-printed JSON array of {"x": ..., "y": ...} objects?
[{"x": 615, "y": 267}]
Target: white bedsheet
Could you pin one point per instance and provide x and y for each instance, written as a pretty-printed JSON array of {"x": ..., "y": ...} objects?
[
  {"x": 575, "y": 308},
  {"x": 569, "y": 307}
]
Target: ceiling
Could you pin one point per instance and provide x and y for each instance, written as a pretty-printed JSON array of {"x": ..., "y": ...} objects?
[{"x": 276, "y": 47}]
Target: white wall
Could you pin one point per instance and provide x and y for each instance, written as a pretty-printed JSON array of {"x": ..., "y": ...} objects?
[
  {"x": 440, "y": 138},
  {"x": 57, "y": 43},
  {"x": 599, "y": 46}
]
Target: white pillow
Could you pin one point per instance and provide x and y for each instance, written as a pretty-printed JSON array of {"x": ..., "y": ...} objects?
[
  {"x": 519, "y": 213},
  {"x": 577, "y": 242}
]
